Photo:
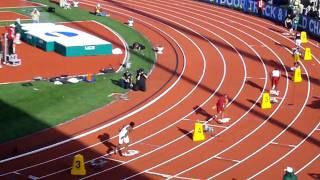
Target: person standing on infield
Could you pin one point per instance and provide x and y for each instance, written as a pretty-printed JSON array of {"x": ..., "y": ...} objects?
[{"x": 124, "y": 139}]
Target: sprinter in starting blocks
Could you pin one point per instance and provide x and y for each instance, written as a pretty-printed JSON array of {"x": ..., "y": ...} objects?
[{"x": 220, "y": 107}]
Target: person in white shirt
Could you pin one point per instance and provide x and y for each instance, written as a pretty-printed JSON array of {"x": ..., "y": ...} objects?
[
  {"x": 35, "y": 15},
  {"x": 124, "y": 138},
  {"x": 297, "y": 40}
]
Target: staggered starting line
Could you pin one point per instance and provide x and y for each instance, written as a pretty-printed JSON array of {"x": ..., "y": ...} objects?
[{"x": 265, "y": 104}]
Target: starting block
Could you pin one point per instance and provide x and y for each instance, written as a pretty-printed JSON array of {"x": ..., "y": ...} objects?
[
  {"x": 208, "y": 128},
  {"x": 274, "y": 100},
  {"x": 98, "y": 163},
  {"x": 13, "y": 60},
  {"x": 130, "y": 153},
  {"x": 33, "y": 177},
  {"x": 266, "y": 104},
  {"x": 130, "y": 22},
  {"x": 159, "y": 49},
  {"x": 78, "y": 167},
  {"x": 198, "y": 134},
  {"x": 307, "y": 54},
  {"x": 75, "y": 3},
  {"x": 274, "y": 92},
  {"x": 223, "y": 120}
]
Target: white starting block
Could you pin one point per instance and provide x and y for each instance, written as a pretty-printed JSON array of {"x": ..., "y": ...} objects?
[
  {"x": 75, "y": 3},
  {"x": 274, "y": 92},
  {"x": 33, "y": 177},
  {"x": 12, "y": 60},
  {"x": 273, "y": 100},
  {"x": 130, "y": 153},
  {"x": 159, "y": 49},
  {"x": 207, "y": 128},
  {"x": 224, "y": 120},
  {"x": 130, "y": 22},
  {"x": 98, "y": 163}
]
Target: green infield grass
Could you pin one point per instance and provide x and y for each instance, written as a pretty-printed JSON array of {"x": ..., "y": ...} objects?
[{"x": 27, "y": 108}]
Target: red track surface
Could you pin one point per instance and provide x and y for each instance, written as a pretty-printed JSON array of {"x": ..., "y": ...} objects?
[
  {"x": 51, "y": 64},
  {"x": 11, "y": 16},
  {"x": 209, "y": 51},
  {"x": 17, "y": 3}
]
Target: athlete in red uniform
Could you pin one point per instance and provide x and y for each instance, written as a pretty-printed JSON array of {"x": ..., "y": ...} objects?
[
  {"x": 220, "y": 106},
  {"x": 11, "y": 35}
]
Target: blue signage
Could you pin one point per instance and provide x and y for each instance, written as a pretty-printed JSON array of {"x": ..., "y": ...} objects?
[
  {"x": 61, "y": 33},
  {"x": 274, "y": 13}
]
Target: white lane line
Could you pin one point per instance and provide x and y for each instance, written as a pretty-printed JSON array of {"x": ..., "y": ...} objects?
[
  {"x": 282, "y": 132},
  {"x": 282, "y": 65},
  {"x": 150, "y": 145},
  {"x": 23, "y": 175},
  {"x": 283, "y": 37},
  {"x": 13, "y": 20},
  {"x": 186, "y": 151},
  {"x": 206, "y": 122},
  {"x": 282, "y": 157},
  {"x": 288, "y": 126},
  {"x": 180, "y": 100},
  {"x": 159, "y": 174},
  {"x": 168, "y": 176},
  {"x": 178, "y": 79},
  {"x": 117, "y": 120},
  {"x": 269, "y": 24},
  {"x": 12, "y": 12},
  {"x": 112, "y": 159},
  {"x": 218, "y": 126},
  {"x": 274, "y": 53},
  {"x": 185, "y": 116},
  {"x": 306, "y": 165},
  {"x": 266, "y": 28},
  {"x": 40, "y": 4},
  {"x": 285, "y": 145},
  {"x": 225, "y": 159},
  {"x": 257, "y": 45},
  {"x": 212, "y": 125},
  {"x": 255, "y": 77},
  {"x": 20, "y": 7}
]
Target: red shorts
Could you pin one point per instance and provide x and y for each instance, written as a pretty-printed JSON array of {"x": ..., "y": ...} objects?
[
  {"x": 219, "y": 108},
  {"x": 275, "y": 81}
]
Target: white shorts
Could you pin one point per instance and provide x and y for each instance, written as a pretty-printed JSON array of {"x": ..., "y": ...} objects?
[
  {"x": 298, "y": 42},
  {"x": 124, "y": 139}
]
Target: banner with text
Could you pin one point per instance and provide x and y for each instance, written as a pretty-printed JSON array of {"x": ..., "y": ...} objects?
[{"x": 274, "y": 13}]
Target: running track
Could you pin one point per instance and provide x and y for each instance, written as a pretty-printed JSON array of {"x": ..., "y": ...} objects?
[{"x": 209, "y": 51}]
